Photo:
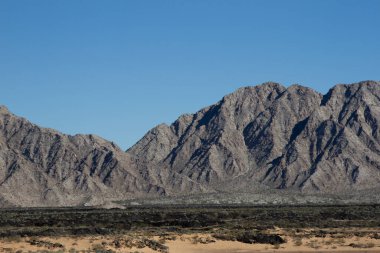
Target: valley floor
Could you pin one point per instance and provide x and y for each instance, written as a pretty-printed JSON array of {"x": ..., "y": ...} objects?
[
  {"x": 356, "y": 240},
  {"x": 190, "y": 229}
]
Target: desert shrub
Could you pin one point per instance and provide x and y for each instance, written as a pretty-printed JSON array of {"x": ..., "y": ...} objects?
[
  {"x": 362, "y": 245},
  {"x": 313, "y": 244},
  {"x": 321, "y": 233},
  {"x": 117, "y": 243},
  {"x": 98, "y": 248},
  {"x": 297, "y": 241},
  {"x": 15, "y": 238},
  {"x": 224, "y": 236},
  {"x": 154, "y": 245},
  {"x": 203, "y": 240},
  {"x": 252, "y": 237},
  {"x": 47, "y": 244}
]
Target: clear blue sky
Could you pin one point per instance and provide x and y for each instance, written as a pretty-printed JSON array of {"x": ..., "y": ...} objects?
[{"x": 118, "y": 68}]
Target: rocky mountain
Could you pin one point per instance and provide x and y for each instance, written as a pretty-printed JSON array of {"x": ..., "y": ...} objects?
[
  {"x": 42, "y": 167},
  {"x": 269, "y": 136},
  {"x": 253, "y": 140}
]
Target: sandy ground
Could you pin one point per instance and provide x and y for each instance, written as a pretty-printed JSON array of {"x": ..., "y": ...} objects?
[
  {"x": 191, "y": 243},
  {"x": 238, "y": 247}
]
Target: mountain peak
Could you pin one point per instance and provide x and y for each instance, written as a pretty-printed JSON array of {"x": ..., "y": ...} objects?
[
  {"x": 264, "y": 87},
  {"x": 262, "y": 92},
  {"x": 269, "y": 85},
  {"x": 297, "y": 86},
  {"x": 368, "y": 83},
  {"x": 4, "y": 109}
]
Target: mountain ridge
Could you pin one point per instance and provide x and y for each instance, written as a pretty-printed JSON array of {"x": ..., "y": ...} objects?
[
  {"x": 256, "y": 138},
  {"x": 315, "y": 107}
]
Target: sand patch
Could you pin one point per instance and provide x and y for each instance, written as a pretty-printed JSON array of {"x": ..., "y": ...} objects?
[{"x": 301, "y": 241}]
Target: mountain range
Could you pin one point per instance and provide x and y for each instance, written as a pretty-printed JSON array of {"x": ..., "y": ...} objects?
[{"x": 256, "y": 139}]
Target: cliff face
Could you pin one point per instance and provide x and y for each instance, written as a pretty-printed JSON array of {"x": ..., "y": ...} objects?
[{"x": 257, "y": 138}]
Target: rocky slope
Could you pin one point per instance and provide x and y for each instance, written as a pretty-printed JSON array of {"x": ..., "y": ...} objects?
[
  {"x": 270, "y": 136},
  {"x": 254, "y": 140},
  {"x": 42, "y": 167}
]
